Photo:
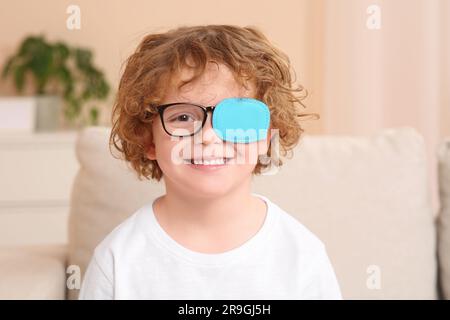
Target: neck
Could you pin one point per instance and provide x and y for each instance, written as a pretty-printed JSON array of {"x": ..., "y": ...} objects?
[
  {"x": 210, "y": 223},
  {"x": 207, "y": 212}
]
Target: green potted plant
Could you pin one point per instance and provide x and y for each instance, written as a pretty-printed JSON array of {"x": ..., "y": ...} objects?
[{"x": 56, "y": 72}]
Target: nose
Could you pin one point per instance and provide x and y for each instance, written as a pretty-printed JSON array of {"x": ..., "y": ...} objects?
[{"x": 209, "y": 136}]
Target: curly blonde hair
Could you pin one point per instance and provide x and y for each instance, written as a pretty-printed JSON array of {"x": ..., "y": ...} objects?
[{"x": 245, "y": 50}]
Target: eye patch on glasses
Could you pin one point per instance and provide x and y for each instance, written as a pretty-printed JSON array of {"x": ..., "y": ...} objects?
[
  {"x": 241, "y": 120},
  {"x": 237, "y": 120}
]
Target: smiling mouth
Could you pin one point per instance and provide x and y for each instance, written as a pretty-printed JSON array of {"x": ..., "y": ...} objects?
[{"x": 208, "y": 162}]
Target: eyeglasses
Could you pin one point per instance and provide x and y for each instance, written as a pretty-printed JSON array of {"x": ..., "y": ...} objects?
[
  {"x": 239, "y": 120},
  {"x": 182, "y": 119}
]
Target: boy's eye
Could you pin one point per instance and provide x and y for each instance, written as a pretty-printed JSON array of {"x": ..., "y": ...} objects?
[{"x": 182, "y": 118}]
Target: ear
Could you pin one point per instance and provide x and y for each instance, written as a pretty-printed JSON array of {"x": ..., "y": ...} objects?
[{"x": 151, "y": 150}]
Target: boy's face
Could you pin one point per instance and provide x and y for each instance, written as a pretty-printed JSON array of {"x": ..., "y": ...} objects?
[{"x": 216, "y": 84}]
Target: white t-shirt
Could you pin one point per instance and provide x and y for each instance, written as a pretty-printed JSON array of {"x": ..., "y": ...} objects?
[{"x": 139, "y": 260}]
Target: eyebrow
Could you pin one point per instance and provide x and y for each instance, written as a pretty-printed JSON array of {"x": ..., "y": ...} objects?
[
  {"x": 191, "y": 102},
  {"x": 187, "y": 102}
]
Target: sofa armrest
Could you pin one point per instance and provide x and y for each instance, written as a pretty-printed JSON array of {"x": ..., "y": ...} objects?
[{"x": 33, "y": 272}]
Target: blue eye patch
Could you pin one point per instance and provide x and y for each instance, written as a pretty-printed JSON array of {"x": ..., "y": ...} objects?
[{"x": 241, "y": 120}]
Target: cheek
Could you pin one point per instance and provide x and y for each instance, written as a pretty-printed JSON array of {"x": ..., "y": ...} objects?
[
  {"x": 247, "y": 154},
  {"x": 163, "y": 145},
  {"x": 170, "y": 154}
]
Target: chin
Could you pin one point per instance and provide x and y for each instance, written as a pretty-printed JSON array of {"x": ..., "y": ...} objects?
[{"x": 209, "y": 187}]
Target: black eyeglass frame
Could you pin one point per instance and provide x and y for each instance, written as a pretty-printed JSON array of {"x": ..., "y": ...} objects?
[{"x": 205, "y": 110}]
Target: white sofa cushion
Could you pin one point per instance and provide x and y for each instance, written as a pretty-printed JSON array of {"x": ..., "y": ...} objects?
[
  {"x": 33, "y": 272},
  {"x": 367, "y": 198},
  {"x": 105, "y": 192}
]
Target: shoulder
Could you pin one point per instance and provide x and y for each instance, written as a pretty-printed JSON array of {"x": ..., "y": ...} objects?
[
  {"x": 293, "y": 231},
  {"x": 293, "y": 227},
  {"x": 303, "y": 250},
  {"x": 98, "y": 282},
  {"x": 122, "y": 236}
]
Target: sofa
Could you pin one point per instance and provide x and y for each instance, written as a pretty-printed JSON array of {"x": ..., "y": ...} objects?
[{"x": 366, "y": 197}]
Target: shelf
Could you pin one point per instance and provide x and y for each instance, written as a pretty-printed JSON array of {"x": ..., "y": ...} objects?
[{"x": 36, "y": 176}]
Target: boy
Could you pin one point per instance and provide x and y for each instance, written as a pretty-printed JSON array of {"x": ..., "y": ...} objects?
[{"x": 195, "y": 107}]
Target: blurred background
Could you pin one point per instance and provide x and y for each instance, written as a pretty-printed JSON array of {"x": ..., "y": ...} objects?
[{"x": 367, "y": 65}]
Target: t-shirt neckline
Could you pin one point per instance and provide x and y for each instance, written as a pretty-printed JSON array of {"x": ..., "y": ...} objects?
[{"x": 257, "y": 241}]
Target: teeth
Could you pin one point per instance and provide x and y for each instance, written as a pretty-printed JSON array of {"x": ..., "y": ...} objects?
[{"x": 210, "y": 162}]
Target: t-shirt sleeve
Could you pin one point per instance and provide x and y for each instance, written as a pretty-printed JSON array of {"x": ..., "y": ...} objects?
[
  {"x": 328, "y": 283},
  {"x": 97, "y": 284}
]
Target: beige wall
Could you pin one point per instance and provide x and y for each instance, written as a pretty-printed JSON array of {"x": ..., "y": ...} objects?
[
  {"x": 397, "y": 75},
  {"x": 359, "y": 80},
  {"x": 113, "y": 28}
]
